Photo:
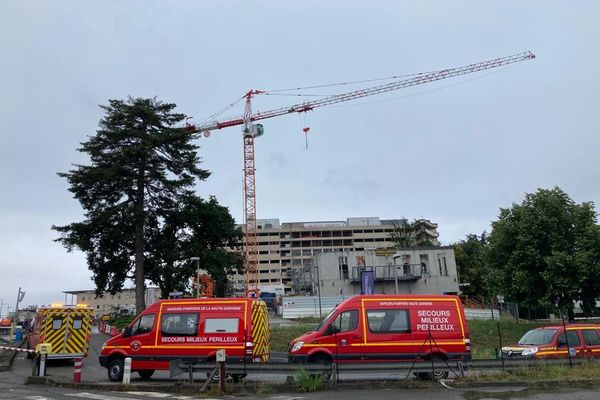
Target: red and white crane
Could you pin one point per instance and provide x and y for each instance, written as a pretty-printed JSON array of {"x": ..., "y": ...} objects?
[{"x": 250, "y": 131}]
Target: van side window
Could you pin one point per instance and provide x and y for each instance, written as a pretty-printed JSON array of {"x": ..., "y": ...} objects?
[
  {"x": 143, "y": 325},
  {"x": 179, "y": 324},
  {"x": 571, "y": 336},
  {"x": 591, "y": 337},
  {"x": 221, "y": 325},
  {"x": 346, "y": 321},
  {"x": 388, "y": 321}
]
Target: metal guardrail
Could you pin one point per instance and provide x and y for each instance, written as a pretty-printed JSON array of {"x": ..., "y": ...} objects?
[{"x": 455, "y": 368}]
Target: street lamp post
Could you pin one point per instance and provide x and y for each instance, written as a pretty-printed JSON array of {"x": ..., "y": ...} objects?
[
  {"x": 197, "y": 259},
  {"x": 319, "y": 290}
]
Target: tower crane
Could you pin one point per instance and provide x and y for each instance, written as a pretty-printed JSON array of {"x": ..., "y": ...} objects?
[{"x": 250, "y": 131}]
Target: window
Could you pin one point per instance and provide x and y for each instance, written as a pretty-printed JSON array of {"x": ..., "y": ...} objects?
[
  {"x": 57, "y": 323},
  {"x": 77, "y": 322},
  {"x": 440, "y": 265},
  {"x": 445, "y": 266},
  {"x": 572, "y": 338},
  {"x": 221, "y": 325},
  {"x": 143, "y": 325},
  {"x": 343, "y": 267},
  {"x": 388, "y": 321},
  {"x": 591, "y": 337},
  {"x": 424, "y": 259},
  {"x": 346, "y": 321},
  {"x": 179, "y": 324}
]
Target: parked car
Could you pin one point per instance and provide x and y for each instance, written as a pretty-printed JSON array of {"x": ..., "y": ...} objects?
[{"x": 582, "y": 340}]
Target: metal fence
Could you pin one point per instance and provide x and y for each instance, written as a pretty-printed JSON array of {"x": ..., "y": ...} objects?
[{"x": 336, "y": 371}]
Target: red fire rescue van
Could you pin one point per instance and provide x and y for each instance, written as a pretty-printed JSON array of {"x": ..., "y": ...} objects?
[
  {"x": 388, "y": 328},
  {"x": 190, "y": 329}
]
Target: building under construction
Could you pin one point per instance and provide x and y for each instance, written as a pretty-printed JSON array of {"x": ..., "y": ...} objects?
[{"x": 286, "y": 249}]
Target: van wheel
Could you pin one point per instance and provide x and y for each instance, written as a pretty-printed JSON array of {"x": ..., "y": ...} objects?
[
  {"x": 146, "y": 373},
  {"x": 115, "y": 370},
  {"x": 435, "y": 375}
]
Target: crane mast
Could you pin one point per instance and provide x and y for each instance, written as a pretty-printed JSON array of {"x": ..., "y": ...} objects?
[{"x": 250, "y": 131}]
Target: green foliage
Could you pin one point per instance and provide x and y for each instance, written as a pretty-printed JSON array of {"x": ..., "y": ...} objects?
[
  {"x": 470, "y": 261},
  {"x": 120, "y": 321},
  {"x": 545, "y": 247},
  {"x": 555, "y": 375},
  {"x": 139, "y": 204},
  {"x": 402, "y": 235},
  {"x": 282, "y": 336},
  {"x": 306, "y": 382}
]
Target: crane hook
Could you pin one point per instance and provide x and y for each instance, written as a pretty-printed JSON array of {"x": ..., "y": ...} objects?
[{"x": 306, "y": 129}]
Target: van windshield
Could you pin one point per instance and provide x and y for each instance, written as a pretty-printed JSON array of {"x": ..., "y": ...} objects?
[
  {"x": 537, "y": 337},
  {"x": 324, "y": 321}
]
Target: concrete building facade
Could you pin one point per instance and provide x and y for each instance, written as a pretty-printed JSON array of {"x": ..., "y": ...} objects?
[
  {"x": 285, "y": 249},
  {"x": 108, "y": 303},
  {"x": 412, "y": 270}
]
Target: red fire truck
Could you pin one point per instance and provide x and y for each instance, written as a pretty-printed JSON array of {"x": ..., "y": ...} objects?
[
  {"x": 190, "y": 329},
  {"x": 388, "y": 328}
]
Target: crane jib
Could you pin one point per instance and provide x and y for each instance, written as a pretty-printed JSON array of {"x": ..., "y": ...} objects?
[{"x": 419, "y": 79}]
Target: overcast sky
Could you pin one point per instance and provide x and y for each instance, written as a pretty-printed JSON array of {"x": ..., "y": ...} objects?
[{"x": 453, "y": 152}]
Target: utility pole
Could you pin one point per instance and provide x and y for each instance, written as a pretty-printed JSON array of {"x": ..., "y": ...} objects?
[{"x": 197, "y": 259}]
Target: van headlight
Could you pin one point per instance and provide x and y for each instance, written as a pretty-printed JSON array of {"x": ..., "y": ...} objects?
[
  {"x": 529, "y": 351},
  {"x": 297, "y": 346}
]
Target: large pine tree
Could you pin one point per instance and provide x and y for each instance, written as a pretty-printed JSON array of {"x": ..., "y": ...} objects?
[{"x": 142, "y": 172}]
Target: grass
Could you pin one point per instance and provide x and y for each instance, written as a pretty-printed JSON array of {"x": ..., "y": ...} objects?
[
  {"x": 483, "y": 335},
  {"x": 542, "y": 373},
  {"x": 282, "y": 336},
  {"x": 306, "y": 382}
]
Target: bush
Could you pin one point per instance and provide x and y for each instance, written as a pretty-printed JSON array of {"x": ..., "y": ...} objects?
[{"x": 306, "y": 382}]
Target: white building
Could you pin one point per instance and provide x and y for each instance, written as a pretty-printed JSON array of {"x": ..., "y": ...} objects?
[{"x": 108, "y": 303}]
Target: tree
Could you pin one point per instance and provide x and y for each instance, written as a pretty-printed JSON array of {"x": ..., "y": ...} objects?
[
  {"x": 545, "y": 248},
  {"x": 471, "y": 264},
  {"x": 142, "y": 167},
  {"x": 202, "y": 229},
  {"x": 412, "y": 234},
  {"x": 402, "y": 235}
]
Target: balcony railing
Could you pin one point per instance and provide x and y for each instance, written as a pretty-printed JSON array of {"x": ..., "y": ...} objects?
[{"x": 406, "y": 272}]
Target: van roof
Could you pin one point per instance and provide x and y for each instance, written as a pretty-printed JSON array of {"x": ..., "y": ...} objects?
[{"x": 398, "y": 297}]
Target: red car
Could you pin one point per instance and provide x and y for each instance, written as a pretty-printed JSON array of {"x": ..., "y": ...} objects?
[{"x": 582, "y": 340}]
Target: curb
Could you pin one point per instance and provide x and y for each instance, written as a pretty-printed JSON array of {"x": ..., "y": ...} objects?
[
  {"x": 179, "y": 386},
  {"x": 529, "y": 384}
]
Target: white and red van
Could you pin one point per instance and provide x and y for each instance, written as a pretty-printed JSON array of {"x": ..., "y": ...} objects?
[
  {"x": 190, "y": 329},
  {"x": 388, "y": 328}
]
